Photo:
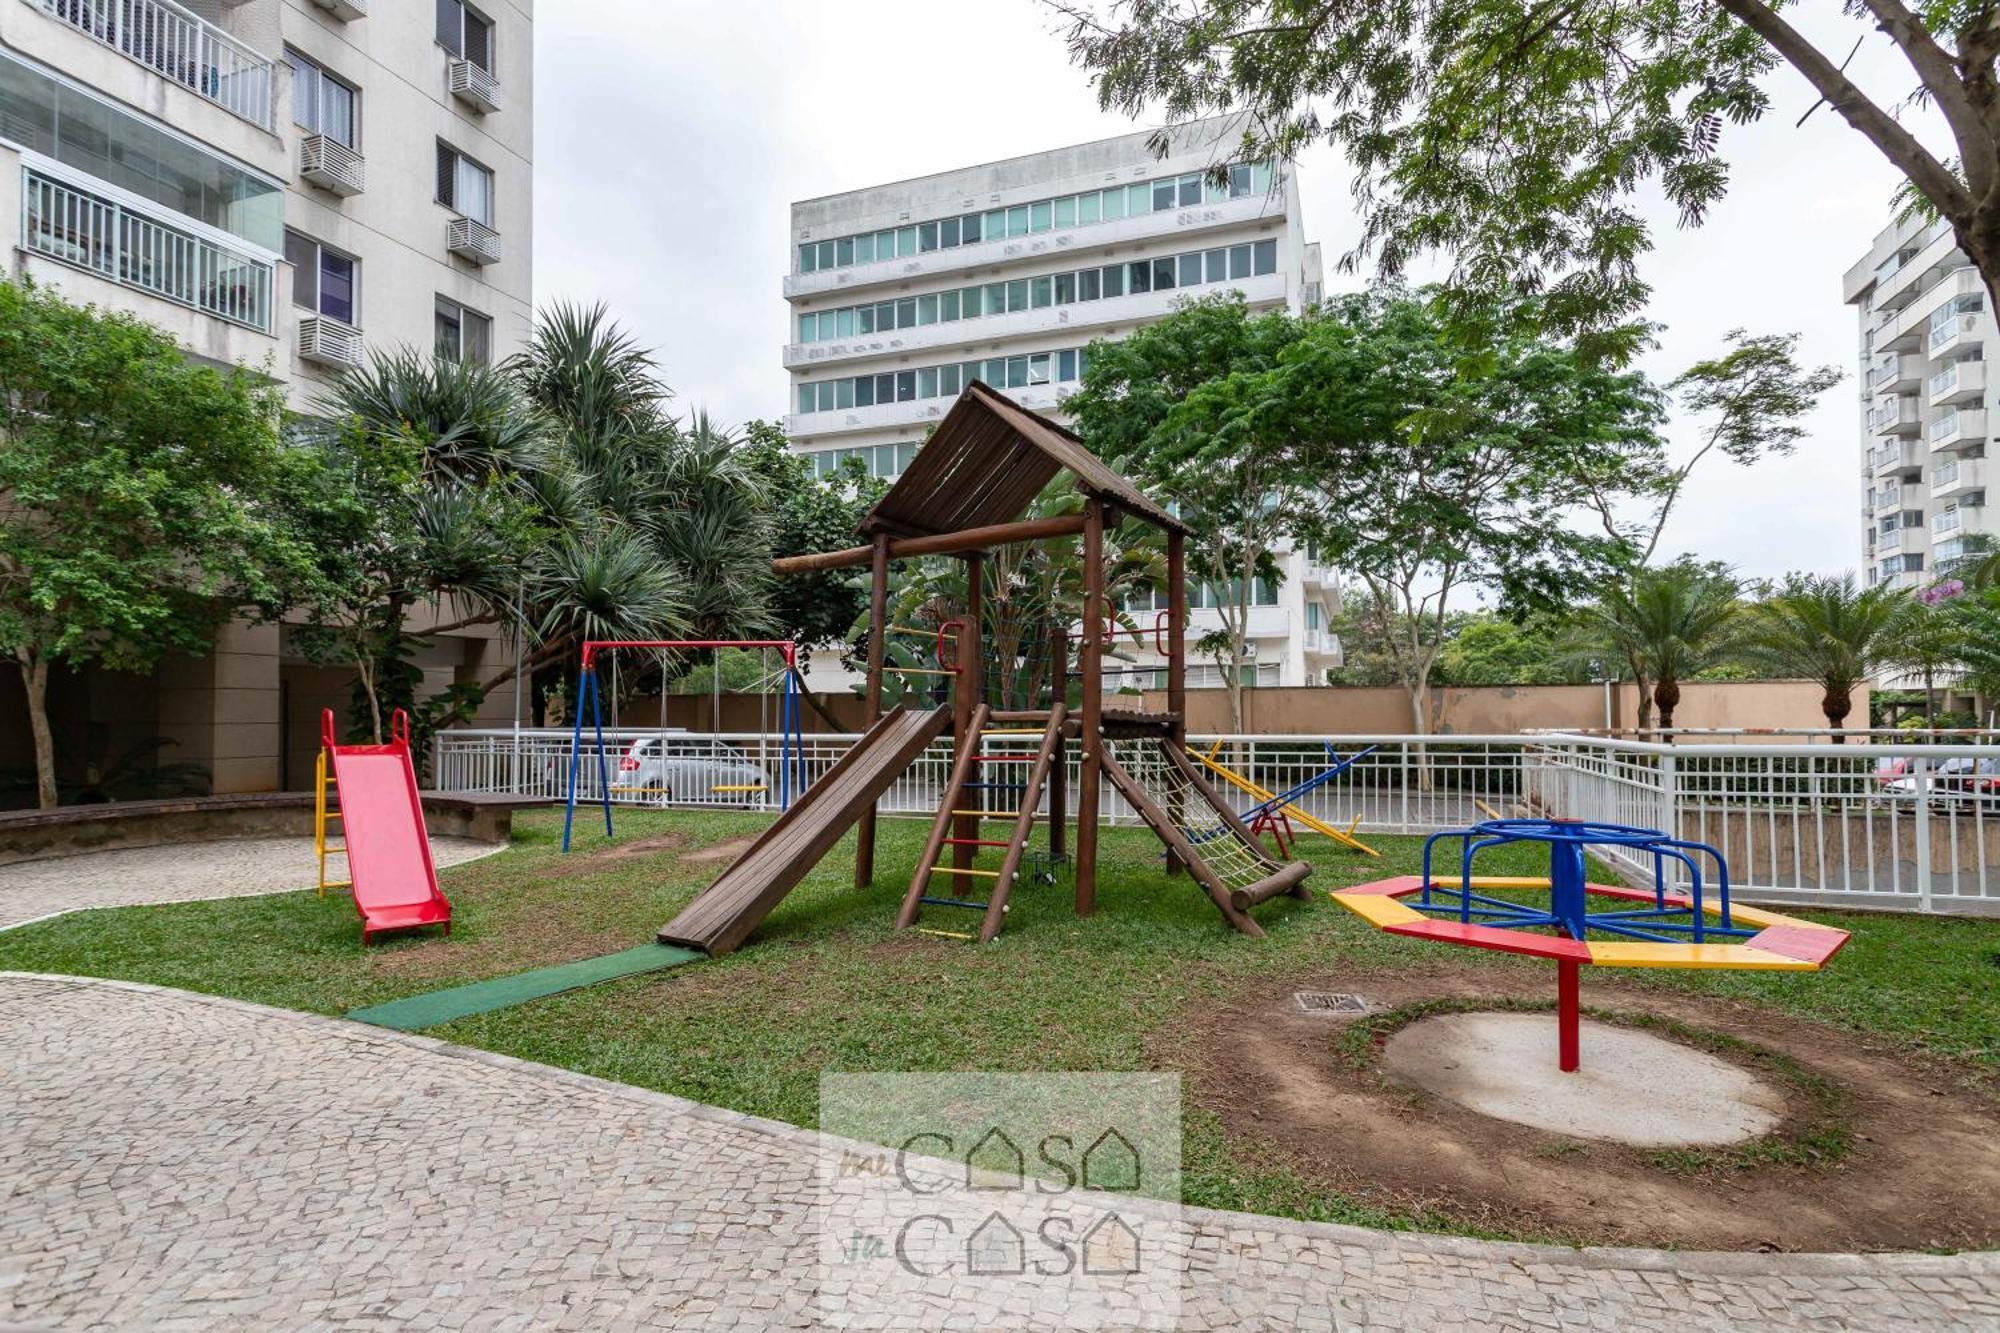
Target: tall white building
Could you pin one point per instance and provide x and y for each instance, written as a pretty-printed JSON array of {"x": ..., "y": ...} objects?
[
  {"x": 901, "y": 294},
  {"x": 280, "y": 185},
  {"x": 1925, "y": 335}
]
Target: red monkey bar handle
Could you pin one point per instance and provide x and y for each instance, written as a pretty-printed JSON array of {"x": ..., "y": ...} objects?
[
  {"x": 948, "y": 661},
  {"x": 326, "y": 732},
  {"x": 399, "y": 728}
]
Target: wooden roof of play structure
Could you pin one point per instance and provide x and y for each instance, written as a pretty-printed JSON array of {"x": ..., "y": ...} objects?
[{"x": 985, "y": 464}]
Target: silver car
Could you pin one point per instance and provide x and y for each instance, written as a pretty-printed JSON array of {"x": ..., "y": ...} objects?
[{"x": 677, "y": 769}]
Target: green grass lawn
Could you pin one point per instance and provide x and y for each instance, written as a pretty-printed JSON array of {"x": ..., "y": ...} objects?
[{"x": 827, "y": 984}]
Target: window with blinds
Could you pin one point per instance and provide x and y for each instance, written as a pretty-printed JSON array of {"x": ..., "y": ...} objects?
[
  {"x": 464, "y": 185},
  {"x": 464, "y": 31}
]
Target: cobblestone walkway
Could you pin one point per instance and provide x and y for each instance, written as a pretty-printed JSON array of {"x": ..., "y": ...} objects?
[
  {"x": 176, "y": 1161},
  {"x": 240, "y": 867}
]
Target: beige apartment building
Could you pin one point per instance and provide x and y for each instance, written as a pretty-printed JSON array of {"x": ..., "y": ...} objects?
[{"x": 282, "y": 185}]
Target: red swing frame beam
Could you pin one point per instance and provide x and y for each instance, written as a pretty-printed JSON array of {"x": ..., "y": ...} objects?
[{"x": 790, "y": 753}]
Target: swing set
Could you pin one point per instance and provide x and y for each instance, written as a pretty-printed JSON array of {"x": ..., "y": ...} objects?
[{"x": 791, "y": 756}]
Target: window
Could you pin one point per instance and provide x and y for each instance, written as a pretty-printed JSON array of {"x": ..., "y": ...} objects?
[
  {"x": 464, "y": 185},
  {"x": 322, "y": 279},
  {"x": 1264, "y": 257},
  {"x": 463, "y": 334},
  {"x": 322, "y": 103},
  {"x": 464, "y": 31}
]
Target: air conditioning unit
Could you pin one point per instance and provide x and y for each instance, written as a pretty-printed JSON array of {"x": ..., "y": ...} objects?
[
  {"x": 472, "y": 86},
  {"x": 474, "y": 241},
  {"x": 331, "y": 165},
  {"x": 345, "y": 10},
  {"x": 328, "y": 342}
]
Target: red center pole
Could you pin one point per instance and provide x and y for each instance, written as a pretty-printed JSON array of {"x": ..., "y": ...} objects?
[{"x": 1568, "y": 1004}]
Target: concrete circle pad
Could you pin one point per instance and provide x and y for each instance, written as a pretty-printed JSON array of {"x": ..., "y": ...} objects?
[{"x": 1633, "y": 1088}]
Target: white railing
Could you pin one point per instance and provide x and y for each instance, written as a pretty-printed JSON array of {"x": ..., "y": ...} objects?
[
  {"x": 179, "y": 45},
  {"x": 76, "y": 227},
  {"x": 1897, "y": 824}
]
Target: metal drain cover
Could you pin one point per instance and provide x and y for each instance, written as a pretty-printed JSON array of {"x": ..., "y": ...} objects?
[{"x": 1330, "y": 1002}]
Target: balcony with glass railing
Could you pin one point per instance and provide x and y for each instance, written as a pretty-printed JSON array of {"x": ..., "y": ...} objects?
[
  {"x": 1957, "y": 382},
  {"x": 145, "y": 252},
  {"x": 1958, "y": 428},
  {"x": 1894, "y": 416},
  {"x": 179, "y": 46},
  {"x": 1945, "y": 521}
]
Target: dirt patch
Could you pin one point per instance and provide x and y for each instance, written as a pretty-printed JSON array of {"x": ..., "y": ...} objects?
[
  {"x": 721, "y": 852},
  {"x": 1877, "y": 1150},
  {"x": 591, "y": 862}
]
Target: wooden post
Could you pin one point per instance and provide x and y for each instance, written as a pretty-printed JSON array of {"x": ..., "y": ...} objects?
[
  {"x": 1059, "y": 774},
  {"x": 878, "y": 631},
  {"x": 967, "y": 716},
  {"x": 1176, "y": 667},
  {"x": 1090, "y": 664}
]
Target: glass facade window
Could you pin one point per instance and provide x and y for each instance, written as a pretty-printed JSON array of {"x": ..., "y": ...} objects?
[
  {"x": 880, "y": 460},
  {"x": 322, "y": 103},
  {"x": 60, "y": 121},
  {"x": 464, "y": 31},
  {"x": 1197, "y": 267},
  {"x": 943, "y": 381},
  {"x": 1075, "y": 210},
  {"x": 463, "y": 185},
  {"x": 322, "y": 279},
  {"x": 463, "y": 334}
]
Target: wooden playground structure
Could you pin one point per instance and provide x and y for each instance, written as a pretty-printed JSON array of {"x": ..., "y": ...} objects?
[{"x": 964, "y": 496}]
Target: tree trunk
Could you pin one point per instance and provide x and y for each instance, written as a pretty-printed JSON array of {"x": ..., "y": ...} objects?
[
  {"x": 1644, "y": 689},
  {"x": 35, "y": 678},
  {"x": 1836, "y": 704},
  {"x": 1667, "y": 694}
]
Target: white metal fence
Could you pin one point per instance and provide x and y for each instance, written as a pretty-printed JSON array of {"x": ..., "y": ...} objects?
[
  {"x": 91, "y": 232},
  {"x": 181, "y": 46},
  {"x": 1914, "y": 827}
]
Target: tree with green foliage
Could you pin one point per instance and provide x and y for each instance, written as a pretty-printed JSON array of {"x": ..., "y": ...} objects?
[
  {"x": 1826, "y": 628},
  {"x": 1518, "y": 137},
  {"x": 1486, "y": 648},
  {"x": 415, "y": 509},
  {"x": 1750, "y": 402},
  {"x": 1175, "y": 406},
  {"x": 1437, "y": 477},
  {"x": 810, "y": 514},
  {"x": 133, "y": 498},
  {"x": 1672, "y": 623}
]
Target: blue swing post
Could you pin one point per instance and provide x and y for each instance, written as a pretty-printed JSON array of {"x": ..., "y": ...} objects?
[{"x": 586, "y": 687}]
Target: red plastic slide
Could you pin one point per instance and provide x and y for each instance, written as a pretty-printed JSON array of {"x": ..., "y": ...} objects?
[{"x": 382, "y": 822}]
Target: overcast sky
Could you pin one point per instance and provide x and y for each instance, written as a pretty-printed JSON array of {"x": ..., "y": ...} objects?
[{"x": 672, "y": 137}]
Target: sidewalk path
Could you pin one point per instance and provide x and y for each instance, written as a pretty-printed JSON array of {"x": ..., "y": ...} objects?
[
  {"x": 179, "y": 1161},
  {"x": 129, "y": 877}
]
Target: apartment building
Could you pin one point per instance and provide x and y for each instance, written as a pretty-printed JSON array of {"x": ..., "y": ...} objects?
[
  {"x": 281, "y": 185},
  {"x": 1925, "y": 335},
  {"x": 901, "y": 294}
]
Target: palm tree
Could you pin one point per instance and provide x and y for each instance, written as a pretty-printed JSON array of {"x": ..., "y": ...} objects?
[
  {"x": 1669, "y": 623},
  {"x": 1826, "y": 628},
  {"x": 663, "y": 531}
]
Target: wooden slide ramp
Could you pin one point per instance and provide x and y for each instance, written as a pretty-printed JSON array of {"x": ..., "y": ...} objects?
[
  {"x": 1205, "y": 832},
  {"x": 722, "y": 915}
]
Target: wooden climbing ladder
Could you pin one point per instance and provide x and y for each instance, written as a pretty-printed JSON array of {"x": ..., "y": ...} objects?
[{"x": 957, "y": 836}]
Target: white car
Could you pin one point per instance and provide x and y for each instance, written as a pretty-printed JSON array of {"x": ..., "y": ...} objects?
[{"x": 679, "y": 769}]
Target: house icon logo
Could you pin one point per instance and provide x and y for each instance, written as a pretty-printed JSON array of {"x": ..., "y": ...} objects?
[
  {"x": 996, "y": 1248},
  {"x": 1111, "y": 1248},
  {"x": 1111, "y": 1163},
  {"x": 995, "y": 1162}
]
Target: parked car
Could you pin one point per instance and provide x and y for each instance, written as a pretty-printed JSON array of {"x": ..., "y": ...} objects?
[
  {"x": 681, "y": 769},
  {"x": 1960, "y": 782}
]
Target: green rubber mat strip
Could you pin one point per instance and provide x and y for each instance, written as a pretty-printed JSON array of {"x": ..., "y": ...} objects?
[{"x": 442, "y": 1006}]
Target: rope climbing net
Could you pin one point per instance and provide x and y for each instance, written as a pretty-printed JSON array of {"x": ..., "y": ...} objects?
[{"x": 1237, "y": 864}]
